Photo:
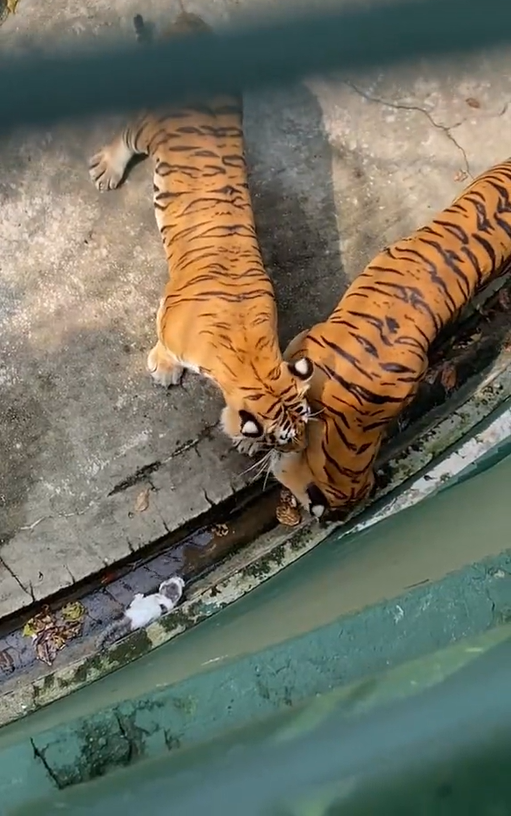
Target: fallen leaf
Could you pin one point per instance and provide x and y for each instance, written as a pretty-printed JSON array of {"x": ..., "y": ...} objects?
[
  {"x": 68, "y": 631},
  {"x": 39, "y": 623},
  {"x": 45, "y": 650},
  {"x": 6, "y": 662},
  {"x": 48, "y": 643},
  {"x": 461, "y": 175},
  {"x": 473, "y": 103},
  {"x": 448, "y": 377},
  {"x": 219, "y": 530},
  {"x": 142, "y": 502},
  {"x": 11, "y": 5},
  {"x": 73, "y": 611}
]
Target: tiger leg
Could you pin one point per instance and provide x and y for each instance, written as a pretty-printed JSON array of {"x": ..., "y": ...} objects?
[
  {"x": 162, "y": 363},
  {"x": 108, "y": 167},
  {"x": 163, "y": 366},
  {"x": 293, "y": 472}
]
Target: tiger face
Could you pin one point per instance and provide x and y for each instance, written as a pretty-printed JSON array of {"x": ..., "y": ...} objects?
[{"x": 272, "y": 417}]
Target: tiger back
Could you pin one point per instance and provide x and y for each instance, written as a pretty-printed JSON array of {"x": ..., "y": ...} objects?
[
  {"x": 371, "y": 354},
  {"x": 217, "y": 316}
]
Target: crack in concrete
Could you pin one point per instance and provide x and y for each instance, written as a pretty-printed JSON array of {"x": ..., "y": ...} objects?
[
  {"x": 125, "y": 736},
  {"x": 141, "y": 474},
  {"x": 28, "y": 591},
  {"x": 211, "y": 503},
  {"x": 403, "y": 106},
  {"x": 40, "y": 756}
]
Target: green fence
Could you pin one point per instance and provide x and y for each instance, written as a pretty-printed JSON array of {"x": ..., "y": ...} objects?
[
  {"x": 42, "y": 90},
  {"x": 431, "y": 738}
]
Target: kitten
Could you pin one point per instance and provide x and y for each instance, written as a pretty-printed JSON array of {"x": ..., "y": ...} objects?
[{"x": 143, "y": 610}]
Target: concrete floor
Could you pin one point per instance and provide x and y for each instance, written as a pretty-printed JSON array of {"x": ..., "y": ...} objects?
[{"x": 339, "y": 168}]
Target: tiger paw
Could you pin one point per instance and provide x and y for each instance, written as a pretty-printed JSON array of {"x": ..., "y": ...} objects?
[
  {"x": 248, "y": 447},
  {"x": 163, "y": 369},
  {"x": 106, "y": 169}
]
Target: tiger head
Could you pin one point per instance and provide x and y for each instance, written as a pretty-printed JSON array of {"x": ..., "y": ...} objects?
[{"x": 273, "y": 415}]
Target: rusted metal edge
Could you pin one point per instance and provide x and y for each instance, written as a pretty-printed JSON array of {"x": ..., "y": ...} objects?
[{"x": 451, "y": 445}]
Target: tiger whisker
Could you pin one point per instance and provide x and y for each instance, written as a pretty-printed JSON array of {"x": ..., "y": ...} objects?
[
  {"x": 259, "y": 473},
  {"x": 256, "y": 464},
  {"x": 265, "y": 466}
]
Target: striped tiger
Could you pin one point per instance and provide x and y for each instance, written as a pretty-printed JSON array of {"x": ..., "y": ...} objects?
[
  {"x": 371, "y": 354},
  {"x": 217, "y": 316}
]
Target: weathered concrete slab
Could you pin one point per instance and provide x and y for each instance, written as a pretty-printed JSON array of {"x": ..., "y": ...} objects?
[{"x": 339, "y": 167}]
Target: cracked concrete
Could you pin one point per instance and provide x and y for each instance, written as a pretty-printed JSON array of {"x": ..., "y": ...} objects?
[{"x": 339, "y": 167}]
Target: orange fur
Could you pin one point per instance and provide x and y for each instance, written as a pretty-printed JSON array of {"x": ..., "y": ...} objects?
[
  {"x": 218, "y": 314},
  {"x": 371, "y": 354}
]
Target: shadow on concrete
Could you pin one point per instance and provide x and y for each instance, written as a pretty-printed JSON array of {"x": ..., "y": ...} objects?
[{"x": 290, "y": 161}]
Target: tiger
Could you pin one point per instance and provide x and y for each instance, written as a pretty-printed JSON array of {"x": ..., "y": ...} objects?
[
  {"x": 218, "y": 314},
  {"x": 371, "y": 354}
]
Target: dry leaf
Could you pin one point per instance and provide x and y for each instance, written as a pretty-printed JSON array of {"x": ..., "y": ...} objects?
[
  {"x": 6, "y": 662},
  {"x": 45, "y": 651},
  {"x": 219, "y": 530},
  {"x": 473, "y": 103},
  {"x": 49, "y": 642},
  {"x": 461, "y": 175},
  {"x": 73, "y": 611},
  {"x": 448, "y": 377},
  {"x": 68, "y": 631},
  {"x": 43, "y": 620},
  {"x": 142, "y": 502}
]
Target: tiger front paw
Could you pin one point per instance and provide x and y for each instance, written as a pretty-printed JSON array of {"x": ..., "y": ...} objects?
[
  {"x": 106, "y": 169},
  {"x": 163, "y": 369}
]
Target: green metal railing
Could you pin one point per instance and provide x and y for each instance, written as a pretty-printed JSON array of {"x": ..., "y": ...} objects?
[
  {"x": 44, "y": 89},
  {"x": 432, "y": 738}
]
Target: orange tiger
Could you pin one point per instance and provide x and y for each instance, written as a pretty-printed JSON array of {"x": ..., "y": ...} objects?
[
  {"x": 371, "y": 354},
  {"x": 218, "y": 315}
]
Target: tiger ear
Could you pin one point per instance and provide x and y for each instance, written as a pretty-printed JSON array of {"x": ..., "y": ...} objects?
[
  {"x": 249, "y": 425},
  {"x": 303, "y": 368}
]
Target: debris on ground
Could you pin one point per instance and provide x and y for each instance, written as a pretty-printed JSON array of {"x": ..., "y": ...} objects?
[
  {"x": 288, "y": 513},
  {"x": 50, "y": 632}
]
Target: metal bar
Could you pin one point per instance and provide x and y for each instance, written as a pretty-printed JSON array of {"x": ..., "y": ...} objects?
[
  {"x": 41, "y": 90},
  {"x": 323, "y": 754}
]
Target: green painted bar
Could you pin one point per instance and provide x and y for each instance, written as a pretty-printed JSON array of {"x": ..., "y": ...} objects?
[
  {"x": 347, "y": 651},
  {"x": 337, "y": 745}
]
